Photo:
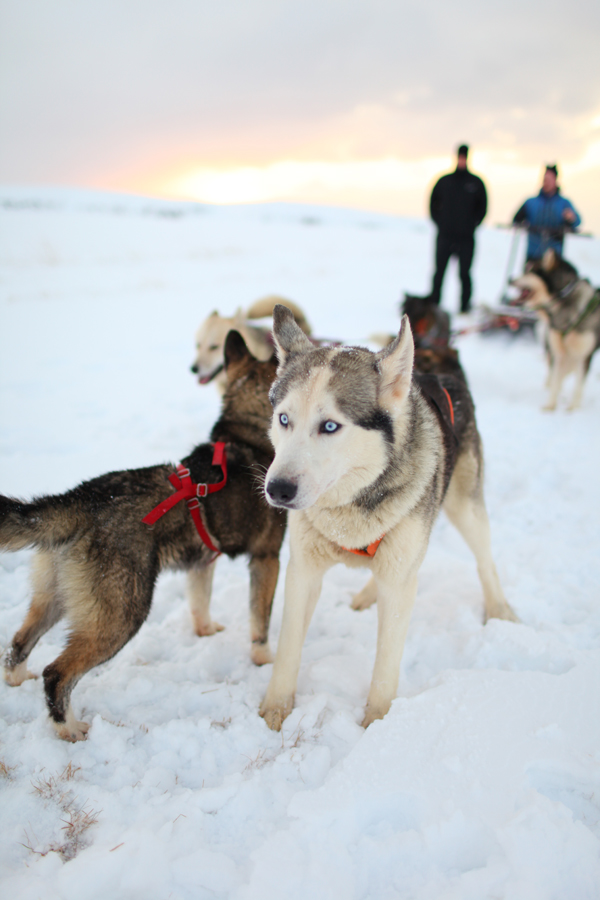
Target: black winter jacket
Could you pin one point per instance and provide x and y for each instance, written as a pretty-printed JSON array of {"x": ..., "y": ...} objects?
[{"x": 458, "y": 203}]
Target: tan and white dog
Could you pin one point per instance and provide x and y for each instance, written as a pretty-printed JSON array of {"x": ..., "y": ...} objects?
[
  {"x": 569, "y": 307},
  {"x": 365, "y": 456},
  {"x": 210, "y": 338}
]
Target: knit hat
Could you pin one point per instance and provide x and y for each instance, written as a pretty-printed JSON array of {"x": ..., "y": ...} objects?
[{"x": 463, "y": 150}]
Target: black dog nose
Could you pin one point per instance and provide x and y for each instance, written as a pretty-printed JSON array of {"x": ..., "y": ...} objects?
[
  {"x": 194, "y": 369},
  {"x": 281, "y": 491}
]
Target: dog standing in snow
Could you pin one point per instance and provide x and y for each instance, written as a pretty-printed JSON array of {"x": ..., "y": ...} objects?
[
  {"x": 366, "y": 454},
  {"x": 97, "y": 560},
  {"x": 569, "y": 306}
]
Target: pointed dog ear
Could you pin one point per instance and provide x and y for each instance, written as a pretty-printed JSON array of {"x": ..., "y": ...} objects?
[
  {"x": 549, "y": 260},
  {"x": 235, "y": 349},
  {"x": 396, "y": 365},
  {"x": 288, "y": 336}
]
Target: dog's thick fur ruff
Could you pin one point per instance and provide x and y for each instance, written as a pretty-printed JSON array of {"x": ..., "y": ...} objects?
[
  {"x": 553, "y": 288},
  {"x": 97, "y": 562},
  {"x": 361, "y": 451},
  {"x": 210, "y": 338}
]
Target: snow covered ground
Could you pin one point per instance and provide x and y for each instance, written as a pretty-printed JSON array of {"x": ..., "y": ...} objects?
[{"x": 483, "y": 781}]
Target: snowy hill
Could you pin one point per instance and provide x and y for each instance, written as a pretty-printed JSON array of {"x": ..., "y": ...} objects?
[{"x": 484, "y": 779}]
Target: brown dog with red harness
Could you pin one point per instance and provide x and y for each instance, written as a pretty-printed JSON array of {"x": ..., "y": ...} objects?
[{"x": 101, "y": 546}]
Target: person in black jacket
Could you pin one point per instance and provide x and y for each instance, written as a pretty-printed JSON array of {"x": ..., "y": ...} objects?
[{"x": 458, "y": 205}]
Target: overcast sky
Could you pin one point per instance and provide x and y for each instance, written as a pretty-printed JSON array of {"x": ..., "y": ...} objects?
[{"x": 139, "y": 94}]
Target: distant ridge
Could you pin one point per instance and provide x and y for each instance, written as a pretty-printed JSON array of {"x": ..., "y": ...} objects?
[{"x": 73, "y": 199}]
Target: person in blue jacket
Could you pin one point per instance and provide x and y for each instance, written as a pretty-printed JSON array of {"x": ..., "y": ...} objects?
[{"x": 547, "y": 217}]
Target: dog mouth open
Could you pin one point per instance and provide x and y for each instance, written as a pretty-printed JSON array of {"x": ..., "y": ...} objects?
[
  {"x": 525, "y": 294},
  {"x": 206, "y": 379}
]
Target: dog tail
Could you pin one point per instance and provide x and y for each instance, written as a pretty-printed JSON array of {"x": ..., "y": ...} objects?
[
  {"x": 266, "y": 305},
  {"x": 46, "y": 522}
]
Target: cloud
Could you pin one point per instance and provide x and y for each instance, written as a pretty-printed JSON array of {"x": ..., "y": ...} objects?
[{"x": 110, "y": 91}]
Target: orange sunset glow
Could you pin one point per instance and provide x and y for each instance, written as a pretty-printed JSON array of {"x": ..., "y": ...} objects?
[{"x": 355, "y": 106}]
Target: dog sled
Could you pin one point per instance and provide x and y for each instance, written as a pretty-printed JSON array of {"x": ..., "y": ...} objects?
[
  {"x": 432, "y": 326},
  {"x": 506, "y": 318}
]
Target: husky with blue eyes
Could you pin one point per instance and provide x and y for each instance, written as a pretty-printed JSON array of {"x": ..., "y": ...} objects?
[{"x": 366, "y": 454}]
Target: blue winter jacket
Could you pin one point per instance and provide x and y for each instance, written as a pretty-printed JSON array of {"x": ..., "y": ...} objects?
[{"x": 543, "y": 216}]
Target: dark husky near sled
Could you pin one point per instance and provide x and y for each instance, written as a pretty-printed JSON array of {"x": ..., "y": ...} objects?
[
  {"x": 430, "y": 360},
  {"x": 438, "y": 361},
  {"x": 366, "y": 454},
  {"x": 97, "y": 562},
  {"x": 569, "y": 307},
  {"x": 430, "y": 325}
]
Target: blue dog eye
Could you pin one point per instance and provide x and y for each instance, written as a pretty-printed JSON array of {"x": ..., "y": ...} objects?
[
  {"x": 284, "y": 420},
  {"x": 329, "y": 427}
]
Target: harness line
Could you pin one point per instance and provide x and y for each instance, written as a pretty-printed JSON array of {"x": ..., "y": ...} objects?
[{"x": 590, "y": 307}]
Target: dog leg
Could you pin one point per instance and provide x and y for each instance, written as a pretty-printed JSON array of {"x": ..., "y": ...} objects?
[
  {"x": 302, "y": 589},
  {"x": 580, "y": 373},
  {"x": 395, "y": 600},
  {"x": 61, "y": 676},
  {"x": 90, "y": 643},
  {"x": 104, "y": 614},
  {"x": 44, "y": 612},
  {"x": 367, "y": 597},
  {"x": 558, "y": 370},
  {"x": 465, "y": 508},
  {"x": 199, "y": 593},
  {"x": 542, "y": 335},
  {"x": 557, "y": 376},
  {"x": 581, "y": 348},
  {"x": 264, "y": 571},
  {"x": 549, "y": 365}
]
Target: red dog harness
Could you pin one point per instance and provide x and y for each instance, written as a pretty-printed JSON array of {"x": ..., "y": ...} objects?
[
  {"x": 188, "y": 491},
  {"x": 450, "y": 406},
  {"x": 371, "y": 550}
]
